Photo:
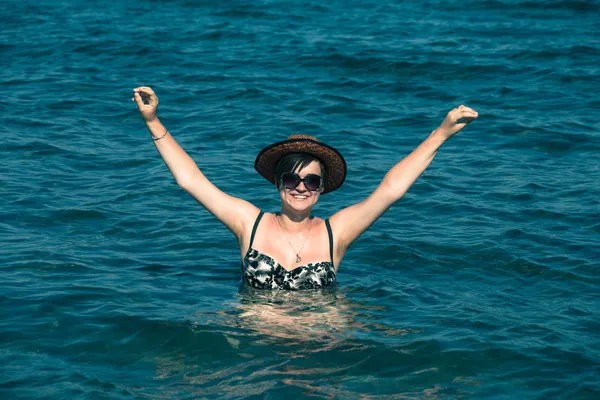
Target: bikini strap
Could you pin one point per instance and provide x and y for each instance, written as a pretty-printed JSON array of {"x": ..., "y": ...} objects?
[
  {"x": 254, "y": 228},
  {"x": 330, "y": 239}
]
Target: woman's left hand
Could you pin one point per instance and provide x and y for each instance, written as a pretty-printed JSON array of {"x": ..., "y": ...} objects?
[
  {"x": 147, "y": 102},
  {"x": 455, "y": 121}
]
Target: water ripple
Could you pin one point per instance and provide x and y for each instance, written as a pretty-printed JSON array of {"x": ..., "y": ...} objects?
[{"x": 480, "y": 283}]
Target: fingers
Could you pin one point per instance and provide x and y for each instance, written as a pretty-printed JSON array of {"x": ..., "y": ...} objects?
[
  {"x": 138, "y": 100},
  {"x": 460, "y": 117},
  {"x": 466, "y": 113},
  {"x": 148, "y": 95},
  {"x": 144, "y": 96},
  {"x": 464, "y": 108},
  {"x": 465, "y": 119},
  {"x": 461, "y": 112},
  {"x": 144, "y": 89}
]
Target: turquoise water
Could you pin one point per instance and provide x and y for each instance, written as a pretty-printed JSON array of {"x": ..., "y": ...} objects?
[{"x": 483, "y": 282}]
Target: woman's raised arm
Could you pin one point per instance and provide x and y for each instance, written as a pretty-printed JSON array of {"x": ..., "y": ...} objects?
[
  {"x": 237, "y": 214},
  {"x": 349, "y": 223}
]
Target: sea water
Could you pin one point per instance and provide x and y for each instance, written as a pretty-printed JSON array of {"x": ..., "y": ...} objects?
[{"x": 482, "y": 282}]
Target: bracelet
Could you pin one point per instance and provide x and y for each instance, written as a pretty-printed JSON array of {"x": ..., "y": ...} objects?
[{"x": 158, "y": 138}]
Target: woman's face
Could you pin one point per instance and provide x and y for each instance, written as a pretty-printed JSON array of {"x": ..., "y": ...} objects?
[{"x": 300, "y": 198}]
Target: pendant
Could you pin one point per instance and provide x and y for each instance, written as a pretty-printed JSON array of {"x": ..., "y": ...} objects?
[{"x": 298, "y": 259}]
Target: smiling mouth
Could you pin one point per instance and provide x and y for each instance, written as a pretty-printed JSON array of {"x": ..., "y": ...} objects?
[{"x": 299, "y": 196}]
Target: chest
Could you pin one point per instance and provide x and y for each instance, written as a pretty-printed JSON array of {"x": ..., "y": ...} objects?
[
  {"x": 291, "y": 251},
  {"x": 295, "y": 251}
]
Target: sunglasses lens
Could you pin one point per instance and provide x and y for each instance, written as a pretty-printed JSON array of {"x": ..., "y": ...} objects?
[
  {"x": 290, "y": 181},
  {"x": 312, "y": 182}
]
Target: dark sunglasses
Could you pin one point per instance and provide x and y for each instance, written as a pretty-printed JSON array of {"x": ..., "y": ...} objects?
[{"x": 291, "y": 180}]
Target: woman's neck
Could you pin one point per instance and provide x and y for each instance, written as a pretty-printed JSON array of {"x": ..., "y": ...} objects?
[{"x": 292, "y": 221}]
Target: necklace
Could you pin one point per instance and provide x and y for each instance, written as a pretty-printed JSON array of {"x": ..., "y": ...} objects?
[{"x": 298, "y": 258}]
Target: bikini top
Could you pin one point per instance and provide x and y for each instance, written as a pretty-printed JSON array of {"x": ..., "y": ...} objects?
[{"x": 263, "y": 272}]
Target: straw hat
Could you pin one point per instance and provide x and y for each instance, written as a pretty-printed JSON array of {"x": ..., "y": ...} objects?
[{"x": 334, "y": 163}]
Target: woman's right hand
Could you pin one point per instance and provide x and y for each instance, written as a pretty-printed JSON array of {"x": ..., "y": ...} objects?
[
  {"x": 146, "y": 101},
  {"x": 456, "y": 119}
]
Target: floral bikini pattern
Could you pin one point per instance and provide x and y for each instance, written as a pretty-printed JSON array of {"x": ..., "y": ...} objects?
[{"x": 262, "y": 272}]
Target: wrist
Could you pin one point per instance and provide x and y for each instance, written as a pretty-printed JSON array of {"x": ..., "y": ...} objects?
[
  {"x": 154, "y": 122},
  {"x": 439, "y": 136}
]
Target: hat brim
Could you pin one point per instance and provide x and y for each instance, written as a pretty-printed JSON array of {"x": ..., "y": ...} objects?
[{"x": 334, "y": 163}]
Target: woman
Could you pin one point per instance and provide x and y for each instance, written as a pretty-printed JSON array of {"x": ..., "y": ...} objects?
[{"x": 291, "y": 249}]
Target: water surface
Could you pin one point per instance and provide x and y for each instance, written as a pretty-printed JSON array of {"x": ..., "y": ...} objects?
[{"x": 482, "y": 282}]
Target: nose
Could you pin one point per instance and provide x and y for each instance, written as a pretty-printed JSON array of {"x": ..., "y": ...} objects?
[{"x": 301, "y": 188}]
